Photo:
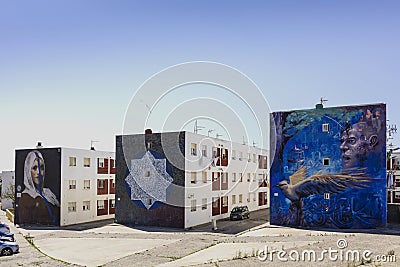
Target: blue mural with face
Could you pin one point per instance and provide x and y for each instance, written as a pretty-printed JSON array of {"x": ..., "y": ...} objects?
[
  {"x": 148, "y": 179},
  {"x": 329, "y": 167}
]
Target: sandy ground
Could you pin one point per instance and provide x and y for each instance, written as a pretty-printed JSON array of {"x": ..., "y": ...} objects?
[{"x": 110, "y": 244}]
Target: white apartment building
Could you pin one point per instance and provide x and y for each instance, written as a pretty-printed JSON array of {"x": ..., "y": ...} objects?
[
  {"x": 88, "y": 186},
  {"x": 182, "y": 179},
  {"x": 82, "y": 182},
  {"x": 220, "y": 175}
]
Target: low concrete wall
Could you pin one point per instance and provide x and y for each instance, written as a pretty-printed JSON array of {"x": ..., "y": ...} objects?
[{"x": 10, "y": 215}]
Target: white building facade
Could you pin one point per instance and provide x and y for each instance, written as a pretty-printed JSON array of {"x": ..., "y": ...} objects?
[
  {"x": 220, "y": 175},
  {"x": 87, "y": 186}
]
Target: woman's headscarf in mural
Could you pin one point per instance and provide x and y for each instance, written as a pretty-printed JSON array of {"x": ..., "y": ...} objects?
[{"x": 38, "y": 190}]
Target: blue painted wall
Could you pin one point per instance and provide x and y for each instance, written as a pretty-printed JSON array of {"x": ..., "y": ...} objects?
[{"x": 354, "y": 177}]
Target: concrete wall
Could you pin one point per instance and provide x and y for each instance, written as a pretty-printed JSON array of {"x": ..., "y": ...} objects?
[
  {"x": 329, "y": 167},
  {"x": 150, "y": 179}
]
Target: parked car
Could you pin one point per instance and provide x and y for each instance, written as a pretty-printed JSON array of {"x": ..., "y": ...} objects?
[
  {"x": 4, "y": 228},
  {"x": 7, "y": 237},
  {"x": 239, "y": 213},
  {"x": 8, "y": 248}
]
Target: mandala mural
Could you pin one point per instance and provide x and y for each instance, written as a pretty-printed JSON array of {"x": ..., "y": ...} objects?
[{"x": 148, "y": 179}]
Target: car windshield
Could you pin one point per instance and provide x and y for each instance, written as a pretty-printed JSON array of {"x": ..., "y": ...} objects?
[{"x": 237, "y": 209}]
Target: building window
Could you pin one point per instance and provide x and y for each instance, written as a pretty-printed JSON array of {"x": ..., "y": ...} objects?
[
  {"x": 241, "y": 177},
  {"x": 224, "y": 177},
  {"x": 234, "y": 177},
  {"x": 193, "y": 205},
  {"x": 248, "y": 197},
  {"x": 240, "y": 155},
  {"x": 325, "y": 127},
  {"x": 86, "y": 205},
  {"x": 248, "y": 177},
  {"x": 215, "y": 174},
  {"x": 100, "y": 204},
  {"x": 72, "y": 161},
  {"x": 204, "y": 150},
  {"x": 214, "y": 152},
  {"x": 204, "y": 204},
  {"x": 326, "y": 161},
  {"x": 146, "y": 173},
  {"x": 193, "y": 177},
  {"x": 204, "y": 177},
  {"x": 86, "y": 184},
  {"x": 240, "y": 198},
  {"x": 248, "y": 157},
  {"x": 193, "y": 149},
  {"x": 148, "y": 145},
  {"x": 101, "y": 183},
  {"x": 225, "y": 201},
  {"x": 397, "y": 195},
  {"x": 112, "y": 203},
  {"x": 254, "y": 158},
  {"x": 86, "y": 162},
  {"x": 215, "y": 202},
  {"x": 72, "y": 184},
  {"x": 101, "y": 163},
  {"x": 224, "y": 153},
  {"x": 233, "y": 154},
  {"x": 112, "y": 183},
  {"x": 254, "y": 177},
  {"x": 113, "y": 163},
  {"x": 233, "y": 199},
  {"x": 71, "y": 206},
  {"x": 149, "y": 201}
]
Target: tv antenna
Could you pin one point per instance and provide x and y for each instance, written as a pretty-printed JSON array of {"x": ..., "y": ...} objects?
[
  {"x": 210, "y": 131},
  {"x": 197, "y": 127},
  {"x": 92, "y": 144},
  {"x": 323, "y": 101},
  {"x": 218, "y": 135},
  {"x": 244, "y": 141}
]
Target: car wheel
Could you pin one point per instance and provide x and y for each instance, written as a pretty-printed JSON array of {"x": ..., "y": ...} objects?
[{"x": 7, "y": 252}]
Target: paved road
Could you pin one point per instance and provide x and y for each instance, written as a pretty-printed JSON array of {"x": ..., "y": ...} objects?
[{"x": 226, "y": 226}]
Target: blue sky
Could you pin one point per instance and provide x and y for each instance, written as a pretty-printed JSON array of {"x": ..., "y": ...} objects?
[{"x": 68, "y": 69}]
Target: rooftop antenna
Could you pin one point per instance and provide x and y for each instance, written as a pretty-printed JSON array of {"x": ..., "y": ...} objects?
[
  {"x": 92, "y": 144},
  {"x": 254, "y": 144},
  {"x": 390, "y": 130},
  {"x": 321, "y": 104},
  {"x": 197, "y": 127},
  {"x": 147, "y": 106},
  {"x": 210, "y": 131},
  {"x": 218, "y": 135}
]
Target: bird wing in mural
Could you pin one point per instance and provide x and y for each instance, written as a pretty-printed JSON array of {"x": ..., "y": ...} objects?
[
  {"x": 298, "y": 176},
  {"x": 329, "y": 183}
]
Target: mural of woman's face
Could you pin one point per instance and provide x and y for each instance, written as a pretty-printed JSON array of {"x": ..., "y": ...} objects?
[{"x": 35, "y": 170}]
